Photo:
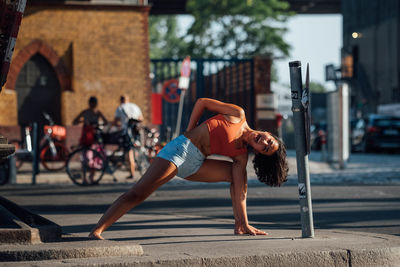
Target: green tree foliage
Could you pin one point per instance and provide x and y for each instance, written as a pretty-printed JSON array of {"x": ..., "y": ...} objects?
[
  {"x": 165, "y": 41},
  {"x": 316, "y": 87},
  {"x": 237, "y": 28},
  {"x": 223, "y": 28}
]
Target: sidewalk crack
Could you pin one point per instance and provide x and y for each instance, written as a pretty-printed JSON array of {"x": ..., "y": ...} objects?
[{"x": 349, "y": 256}]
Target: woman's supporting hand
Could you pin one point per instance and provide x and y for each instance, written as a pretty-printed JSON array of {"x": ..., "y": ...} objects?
[{"x": 247, "y": 229}]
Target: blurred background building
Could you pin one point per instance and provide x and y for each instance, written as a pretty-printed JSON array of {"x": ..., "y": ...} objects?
[
  {"x": 371, "y": 55},
  {"x": 69, "y": 50}
]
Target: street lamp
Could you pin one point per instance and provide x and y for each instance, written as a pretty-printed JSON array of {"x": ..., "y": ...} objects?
[{"x": 356, "y": 35}]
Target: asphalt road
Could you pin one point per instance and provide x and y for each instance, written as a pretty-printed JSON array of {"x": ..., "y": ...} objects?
[
  {"x": 365, "y": 208},
  {"x": 363, "y": 197}
]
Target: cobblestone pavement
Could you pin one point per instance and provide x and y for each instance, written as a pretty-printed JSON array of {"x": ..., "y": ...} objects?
[
  {"x": 376, "y": 169},
  {"x": 361, "y": 169},
  {"x": 373, "y": 169}
]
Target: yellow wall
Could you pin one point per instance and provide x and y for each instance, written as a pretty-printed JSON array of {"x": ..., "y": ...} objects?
[{"x": 8, "y": 107}]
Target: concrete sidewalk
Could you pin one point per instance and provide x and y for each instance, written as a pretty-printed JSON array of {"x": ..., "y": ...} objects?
[
  {"x": 169, "y": 240},
  {"x": 189, "y": 224}
]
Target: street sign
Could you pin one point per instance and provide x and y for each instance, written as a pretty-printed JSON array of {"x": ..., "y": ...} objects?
[
  {"x": 305, "y": 101},
  {"x": 185, "y": 68},
  {"x": 330, "y": 73},
  {"x": 184, "y": 79},
  {"x": 267, "y": 101},
  {"x": 184, "y": 82},
  {"x": 171, "y": 92}
]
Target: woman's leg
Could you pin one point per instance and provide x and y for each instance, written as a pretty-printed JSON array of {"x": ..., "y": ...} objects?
[
  {"x": 131, "y": 158},
  {"x": 213, "y": 171},
  {"x": 159, "y": 172},
  {"x": 218, "y": 171}
]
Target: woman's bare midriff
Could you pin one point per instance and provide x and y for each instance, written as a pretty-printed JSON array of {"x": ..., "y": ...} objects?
[{"x": 200, "y": 137}]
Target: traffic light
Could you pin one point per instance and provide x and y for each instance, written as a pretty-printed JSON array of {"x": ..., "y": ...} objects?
[{"x": 347, "y": 67}]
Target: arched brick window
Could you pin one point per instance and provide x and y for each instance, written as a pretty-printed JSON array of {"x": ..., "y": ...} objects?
[{"x": 39, "y": 47}]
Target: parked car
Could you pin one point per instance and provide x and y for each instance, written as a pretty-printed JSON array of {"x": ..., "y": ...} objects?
[
  {"x": 357, "y": 131},
  {"x": 376, "y": 133}
]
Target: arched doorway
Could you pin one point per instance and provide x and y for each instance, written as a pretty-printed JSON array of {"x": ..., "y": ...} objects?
[{"x": 38, "y": 90}]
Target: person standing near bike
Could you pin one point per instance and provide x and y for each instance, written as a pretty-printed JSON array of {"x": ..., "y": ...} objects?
[
  {"x": 127, "y": 115},
  {"x": 91, "y": 118}
]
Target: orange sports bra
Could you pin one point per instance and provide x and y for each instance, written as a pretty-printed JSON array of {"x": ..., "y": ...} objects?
[{"x": 222, "y": 136}]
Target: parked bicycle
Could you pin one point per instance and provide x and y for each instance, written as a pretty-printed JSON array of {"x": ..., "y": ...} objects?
[
  {"x": 86, "y": 165},
  {"x": 152, "y": 142},
  {"x": 53, "y": 153}
]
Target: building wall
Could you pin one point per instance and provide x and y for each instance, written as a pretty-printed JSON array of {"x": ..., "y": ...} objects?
[
  {"x": 378, "y": 58},
  {"x": 100, "y": 51},
  {"x": 8, "y": 108}
]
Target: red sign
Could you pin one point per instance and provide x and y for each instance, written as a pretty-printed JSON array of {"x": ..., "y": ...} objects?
[
  {"x": 156, "y": 109},
  {"x": 171, "y": 92}
]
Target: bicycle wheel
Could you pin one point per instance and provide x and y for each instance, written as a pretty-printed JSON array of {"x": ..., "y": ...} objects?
[
  {"x": 86, "y": 166},
  {"x": 119, "y": 160},
  {"x": 54, "y": 162},
  {"x": 142, "y": 162}
]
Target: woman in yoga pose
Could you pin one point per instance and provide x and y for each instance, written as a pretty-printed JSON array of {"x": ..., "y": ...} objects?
[{"x": 225, "y": 134}]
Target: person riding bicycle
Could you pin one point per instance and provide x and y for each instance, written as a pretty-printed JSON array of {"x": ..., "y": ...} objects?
[
  {"x": 127, "y": 116},
  {"x": 91, "y": 119}
]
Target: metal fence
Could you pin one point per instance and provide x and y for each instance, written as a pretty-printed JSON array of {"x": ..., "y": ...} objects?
[{"x": 227, "y": 80}]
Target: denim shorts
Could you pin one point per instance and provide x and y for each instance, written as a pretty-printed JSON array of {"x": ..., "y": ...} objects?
[{"x": 186, "y": 156}]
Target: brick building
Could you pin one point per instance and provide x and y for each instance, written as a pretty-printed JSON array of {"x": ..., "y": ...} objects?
[{"x": 69, "y": 51}]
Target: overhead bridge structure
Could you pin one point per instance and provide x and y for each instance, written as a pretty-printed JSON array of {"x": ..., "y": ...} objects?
[{"x": 160, "y": 7}]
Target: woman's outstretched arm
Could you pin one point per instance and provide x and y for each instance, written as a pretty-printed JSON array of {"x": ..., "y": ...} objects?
[
  {"x": 239, "y": 195},
  {"x": 213, "y": 105}
]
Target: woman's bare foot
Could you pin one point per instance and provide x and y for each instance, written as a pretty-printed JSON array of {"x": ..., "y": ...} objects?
[
  {"x": 94, "y": 235},
  {"x": 248, "y": 230}
]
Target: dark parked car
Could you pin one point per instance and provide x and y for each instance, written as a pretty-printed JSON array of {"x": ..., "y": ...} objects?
[{"x": 376, "y": 133}]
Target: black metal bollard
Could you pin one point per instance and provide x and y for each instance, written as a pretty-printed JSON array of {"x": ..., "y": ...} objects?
[
  {"x": 35, "y": 153},
  {"x": 13, "y": 170},
  {"x": 301, "y": 122}
]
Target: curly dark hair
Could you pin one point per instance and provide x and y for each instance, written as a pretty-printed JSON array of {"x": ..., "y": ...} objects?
[{"x": 272, "y": 170}]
